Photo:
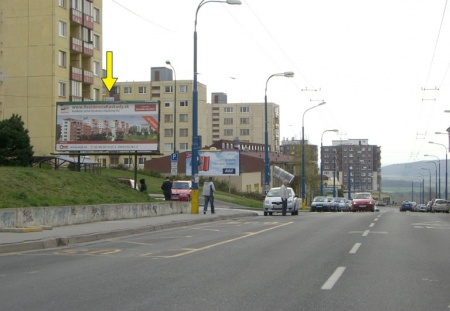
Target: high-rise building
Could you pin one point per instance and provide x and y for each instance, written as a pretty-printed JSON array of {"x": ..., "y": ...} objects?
[{"x": 50, "y": 51}]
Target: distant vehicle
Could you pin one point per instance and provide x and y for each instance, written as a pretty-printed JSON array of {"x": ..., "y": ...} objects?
[
  {"x": 333, "y": 204},
  {"x": 363, "y": 201},
  {"x": 407, "y": 206},
  {"x": 317, "y": 205},
  {"x": 422, "y": 208},
  {"x": 272, "y": 202},
  {"x": 129, "y": 181},
  {"x": 380, "y": 203},
  {"x": 440, "y": 205},
  {"x": 342, "y": 204},
  {"x": 181, "y": 190}
]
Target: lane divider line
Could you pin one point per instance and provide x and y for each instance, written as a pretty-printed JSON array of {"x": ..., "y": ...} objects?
[
  {"x": 371, "y": 225},
  {"x": 366, "y": 233},
  {"x": 355, "y": 248},
  {"x": 329, "y": 284}
]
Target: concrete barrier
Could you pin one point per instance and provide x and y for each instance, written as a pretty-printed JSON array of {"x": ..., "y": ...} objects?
[{"x": 71, "y": 215}]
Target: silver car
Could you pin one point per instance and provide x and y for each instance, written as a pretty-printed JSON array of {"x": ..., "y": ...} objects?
[{"x": 272, "y": 202}]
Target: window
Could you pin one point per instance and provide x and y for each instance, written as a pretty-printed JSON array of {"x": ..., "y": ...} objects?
[
  {"x": 228, "y": 132},
  {"x": 228, "y": 109},
  {"x": 62, "y": 59},
  {"x": 127, "y": 89},
  {"x": 184, "y": 146},
  {"x": 168, "y": 118},
  {"x": 142, "y": 160},
  {"x": 245, "y": 121},
  {"x": 245, "y": 109},
  {"x": 62, "y": 89},
  {"x": 167, "y": 104},
  {"x": 228, "y": 121},
  {"x": 168, "y": 147},
  {"x": 114, "y": 90},
  {"x": 62, "y": 3},
  {"x": 96, "y": 94},
  {"x": 183, "y": 103},
  {"x": 184, "y": 132},
  {"x": 96, "y": 15},
  {"x": 168, "y": 133},
  {"x": 76, "y": 4},
  {"x": 127, "y": 161},
  {"x": 168, "y": 89},
  {"x": 183, "y": 118},
  {"x": 62, "y": 29},
  {"x": 96, "y": 68},
  {"x": 76, "y": 89},
  {"x": 244, "y": 132},
  {"x": 142, "y": 90},
  {"x": 96, "y": 42},
  {"x": 87, "y": 35},
  {"x": 183, "y": 88}
]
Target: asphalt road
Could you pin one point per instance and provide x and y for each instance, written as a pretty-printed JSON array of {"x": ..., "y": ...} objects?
[{"x": 314, "y": 261}]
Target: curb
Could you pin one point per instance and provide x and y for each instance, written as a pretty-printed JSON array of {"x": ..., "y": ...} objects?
[{"x": 85, "y": 238}]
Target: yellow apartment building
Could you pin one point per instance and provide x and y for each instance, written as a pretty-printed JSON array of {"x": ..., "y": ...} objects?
[{"x": 50, "y": 51}]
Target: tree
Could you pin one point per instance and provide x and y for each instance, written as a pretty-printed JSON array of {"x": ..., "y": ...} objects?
[{"x": 15, "y": 148}]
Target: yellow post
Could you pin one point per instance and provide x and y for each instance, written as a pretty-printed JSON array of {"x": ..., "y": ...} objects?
[
  {"x": 303, "y": 204},
  {"x": 194, "y": 201}
]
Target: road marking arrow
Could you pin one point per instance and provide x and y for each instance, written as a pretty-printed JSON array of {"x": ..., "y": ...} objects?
[{"x": 109, "y": 81}]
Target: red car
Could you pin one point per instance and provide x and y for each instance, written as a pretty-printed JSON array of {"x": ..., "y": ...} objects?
[
  {"x": 181, "y": 190},
  {"x": 363, "y": 201}
]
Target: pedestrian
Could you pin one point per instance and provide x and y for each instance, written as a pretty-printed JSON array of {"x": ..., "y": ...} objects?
[
  {"x": 284, "y": 194},
  {"x": 208, "y": 193},
  {"x": 167, "y": 189}
]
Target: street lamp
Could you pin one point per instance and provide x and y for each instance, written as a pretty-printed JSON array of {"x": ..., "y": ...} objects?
[
  {"x": 429, "y": 171},
  {"x": 422, "y": 195},
  {"x": 446, "y": 167},
  {"x": 321, "y": 159},
  {"x": 174, "y": 109},
  {"x": 195, "y": 140},
  {"x": 303, "y": 152},
  {"x": 439, "y": 161},
  {"x": 287, "y": 74},
  {"x": 436, "y": 176}
]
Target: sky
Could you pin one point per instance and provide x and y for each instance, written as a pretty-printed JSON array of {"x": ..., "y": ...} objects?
[{"x": 381, "y": 66}]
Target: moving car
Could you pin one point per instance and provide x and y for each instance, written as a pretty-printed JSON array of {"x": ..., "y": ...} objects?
[
  {"x": 272, "y": 202},
  {"x": 363, "y": 201},
  {"x": 440, "y": 205},
  {"x": 407, "y": 206},
  {"x": 181, "y": 190},
  {"x": 318, "y": 203}
]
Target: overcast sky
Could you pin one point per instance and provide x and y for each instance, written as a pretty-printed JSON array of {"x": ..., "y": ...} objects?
[{"x": 376, "y": 63}]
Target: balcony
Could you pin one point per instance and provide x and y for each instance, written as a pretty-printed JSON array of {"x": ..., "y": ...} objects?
[
  {"x": 74, "y": 98},
  {"x": 88, "y": 21},
  {"x": 76, "y": 45},
  {"x": 76, "y": 16},
  {"x": 88, "y": 77},
  {"x": 88, "y": 48},
  {"x": 76, "y": 74}
]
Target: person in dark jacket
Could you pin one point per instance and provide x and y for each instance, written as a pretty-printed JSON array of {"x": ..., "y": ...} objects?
[{"x": 167, "y": 189}]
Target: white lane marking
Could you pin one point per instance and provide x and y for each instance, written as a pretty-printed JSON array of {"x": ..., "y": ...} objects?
[
  {"x": 366, "y": 233},
  {"x": 355, "y": 248},
  {"x": 333, "y": 278},
  {"x": 371, "y": 225},
  {"x": 376, "y": 219}
]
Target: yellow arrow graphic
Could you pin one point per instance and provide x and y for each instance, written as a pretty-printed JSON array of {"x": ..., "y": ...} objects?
[{"x": 109, "y": 81}]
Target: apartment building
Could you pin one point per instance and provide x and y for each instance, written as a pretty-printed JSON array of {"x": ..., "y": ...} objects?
[
  {"x": 50, "y": 52},
  {"x": 175, "y": 107},
  {"x": 355, "y": 162}
]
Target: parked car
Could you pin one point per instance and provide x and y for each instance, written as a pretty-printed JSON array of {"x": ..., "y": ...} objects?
[
  {"x": 440, "y": 205},
  {"x": 342, "y": 204},
  {"x": 272, "y": 202},
  {"x": 422, "y": 208},
  {"x": 407, "y": 206},
  {"x": 363, "y": 201},
  {"x": 333, "y": 204},
  {"x": 181, "y": 190},
  {"x": 318, "y": 203}
]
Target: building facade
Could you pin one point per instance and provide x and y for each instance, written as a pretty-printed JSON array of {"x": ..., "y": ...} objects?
[
  {"x": 355, "y": 163},
  {"x": 50, "y": 52}
]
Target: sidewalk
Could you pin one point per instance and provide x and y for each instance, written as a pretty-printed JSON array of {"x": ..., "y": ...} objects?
[{"x": 29, "y": 239}]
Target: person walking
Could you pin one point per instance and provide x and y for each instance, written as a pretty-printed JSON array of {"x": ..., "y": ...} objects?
[
  {"x": 208, "y": 193},
  {"x": 166, "y": 187},
  {"x": 284, "y": 194}
]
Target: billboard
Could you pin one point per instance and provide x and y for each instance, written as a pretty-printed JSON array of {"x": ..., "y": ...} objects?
[
  {"x": 107, "y": 126},
  {"x": 215, "y": 163}
]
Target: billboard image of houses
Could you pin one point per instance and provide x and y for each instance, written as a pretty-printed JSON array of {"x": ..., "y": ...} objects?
[{"x": 107, "y": 126}]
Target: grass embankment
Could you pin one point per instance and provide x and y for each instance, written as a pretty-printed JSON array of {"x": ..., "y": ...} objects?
[{"x": 28, "y": 187}]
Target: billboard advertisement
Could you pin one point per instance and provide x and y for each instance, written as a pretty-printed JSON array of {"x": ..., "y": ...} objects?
[
  {"x": 215, "y": 163},
  {"x": 107, "y": 126}
]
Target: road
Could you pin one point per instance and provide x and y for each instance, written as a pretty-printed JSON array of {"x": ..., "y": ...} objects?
[{"x": 315, "y": 261}]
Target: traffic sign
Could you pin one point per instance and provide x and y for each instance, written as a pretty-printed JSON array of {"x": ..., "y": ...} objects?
[{"x": 174, "y": 157}]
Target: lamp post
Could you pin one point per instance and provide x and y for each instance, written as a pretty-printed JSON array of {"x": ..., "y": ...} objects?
[
  {"x": 429, "y": 171},
  {"x": 174, "y": 108},
  {"x": 439, "y": 161},
  {"x": 195, "y": 140},
  {"x": 436, "y": 176},
  {"x": 287, "y": 74},
  {"x": 446, "y": 164},
  {"x": 303, "y": 152},
  {"x": 321, "y": 159},
  {"x": 422, "y": 192}
]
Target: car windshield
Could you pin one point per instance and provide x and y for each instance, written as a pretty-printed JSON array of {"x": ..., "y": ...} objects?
[
  {"x": 180, "y": 185},
  {"x": 319, "y": 199},
  {"x": 362, "y": 196},
  {"x": 275, "y": 192}
]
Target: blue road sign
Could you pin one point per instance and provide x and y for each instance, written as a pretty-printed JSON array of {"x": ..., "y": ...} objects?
[{"x": 174, "y": 157}]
